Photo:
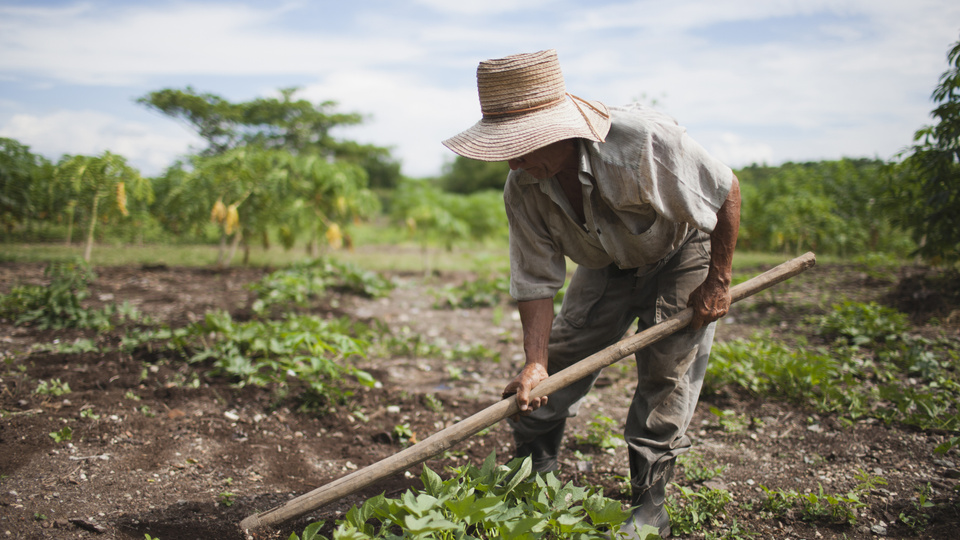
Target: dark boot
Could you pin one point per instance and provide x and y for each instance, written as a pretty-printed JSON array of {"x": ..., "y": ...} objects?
[
  {"x": 649, "y": 507},
  {"x": 543, "y": 450}
]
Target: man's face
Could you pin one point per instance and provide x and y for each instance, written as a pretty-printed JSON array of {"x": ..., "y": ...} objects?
[{"x": 547, "y": 161}]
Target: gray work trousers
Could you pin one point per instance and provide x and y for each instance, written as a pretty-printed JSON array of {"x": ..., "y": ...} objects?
[{"x": 598, "y": 308}]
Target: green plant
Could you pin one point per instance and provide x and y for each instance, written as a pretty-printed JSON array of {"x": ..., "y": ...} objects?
[
  {"x": 488, "y": 502},
  {"x": 226, "y": 498},
  {"x": 56, "y": 305},
  {"x": 89, "y": 414},
  {"x": 830, "y": 508},
  {"x": 62, "y": 435},
  {"x": 919, "y": 519},
  {"x": 311, "y": 279},
  {"x": 52, "y": 388},
  {"x": 404, "y": 434},
  {"x": 312, "y": 352},
  {"x": 484, "y": 291},
  {"x": 730, "y": 420},
  {"x": 693, "y": 510},
  {"x": 696, "y": 469},
  {"x": 602, "y": 432},
  {"x": 862, "y": 324},
  {"x": 432, "y": 403}
]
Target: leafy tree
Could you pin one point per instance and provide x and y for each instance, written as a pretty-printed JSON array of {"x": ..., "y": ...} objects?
[
  {"x": 434, "y": 216},
  {"x": 20, "y": 185},
  {"x": 100, "y": 184},
  {"x": 830, "y": 206},
  {"x": 925, "y": 188},
  {"x": 464, "y": 175},
  {"x": 295, "y": 125}
]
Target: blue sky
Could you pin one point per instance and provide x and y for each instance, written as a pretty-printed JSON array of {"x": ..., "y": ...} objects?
[{"x": 758, "y": 81}]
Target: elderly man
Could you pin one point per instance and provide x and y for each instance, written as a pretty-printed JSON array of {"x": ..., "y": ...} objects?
[{"x": 651, "y": 220}]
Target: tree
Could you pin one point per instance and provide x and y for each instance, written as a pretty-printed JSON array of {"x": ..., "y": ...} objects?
[
  {"x": 18, "y": 186},
  {"x": 925, "y": 187},
  {"x": 295, "y": 125},
  {"x": 101, "y": 179}
]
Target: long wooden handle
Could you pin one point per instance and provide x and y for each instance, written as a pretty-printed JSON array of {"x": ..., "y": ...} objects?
[{"x": 447, "y": 438}]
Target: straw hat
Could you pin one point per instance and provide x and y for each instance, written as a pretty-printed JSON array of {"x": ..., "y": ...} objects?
[{"x": 525, "y": 106}]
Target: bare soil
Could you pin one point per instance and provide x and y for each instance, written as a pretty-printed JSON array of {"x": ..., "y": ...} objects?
[{"x": 177, "y": 460}]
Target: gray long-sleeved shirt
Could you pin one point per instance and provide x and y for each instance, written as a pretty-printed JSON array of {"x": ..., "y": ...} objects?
[{"x": 643, "y": 189}]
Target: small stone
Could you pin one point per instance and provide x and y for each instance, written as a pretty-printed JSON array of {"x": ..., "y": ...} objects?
[{"x": 879, "y": 529}]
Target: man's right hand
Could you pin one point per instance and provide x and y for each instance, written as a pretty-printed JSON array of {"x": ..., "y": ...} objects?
[{"x": 521, "y": 385}]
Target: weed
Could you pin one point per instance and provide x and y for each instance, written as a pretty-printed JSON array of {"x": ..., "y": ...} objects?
[
  {"x": 919, "y": 519},
  {"x": 861, "y": 324},
  {"x": 306, "y": 280},
  {"x": 484, "y": 291},
  {"x": 602, "y": 432},
  {"x": 693, "y": 510},
  {"x": 63, "y": 435},
  {"x": 404, "y": 434},
  {"x": 58, "y": 304},
  {"x": 432, "y": 403},
  {"x": 311, "y": 351},
  {"x": 695, "y": 468},
  {"x": 53, "y": 387},
  {"x": 89, "y": 414},
  {"x": 730, "y": 421},
  {"x": 226, "y": 498}
]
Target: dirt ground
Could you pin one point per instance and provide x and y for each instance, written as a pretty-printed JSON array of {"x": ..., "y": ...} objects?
[{"x": 176, "y": 459}]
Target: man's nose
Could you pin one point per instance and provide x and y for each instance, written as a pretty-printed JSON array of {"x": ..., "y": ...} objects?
[{"x": 515, "y": 163}]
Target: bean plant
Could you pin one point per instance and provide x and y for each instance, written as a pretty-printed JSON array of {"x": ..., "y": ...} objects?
[{"x": 493, "y": 501}]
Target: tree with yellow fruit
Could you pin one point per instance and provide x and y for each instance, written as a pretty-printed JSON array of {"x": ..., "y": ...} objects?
[{"x": 100, "y": 186}]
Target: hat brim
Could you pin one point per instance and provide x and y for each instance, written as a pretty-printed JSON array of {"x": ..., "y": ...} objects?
[{"x": 508, "y": 137}]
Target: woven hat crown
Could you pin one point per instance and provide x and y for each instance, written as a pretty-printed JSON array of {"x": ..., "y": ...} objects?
[
  {"x": 520, "y": 82},
  {"x": 525, "y": 106}
]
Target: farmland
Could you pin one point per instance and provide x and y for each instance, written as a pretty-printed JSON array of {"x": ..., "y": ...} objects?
[{"x": 830, "y": 410}]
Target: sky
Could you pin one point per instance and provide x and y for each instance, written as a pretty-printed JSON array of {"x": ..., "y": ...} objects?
[{"x": 754, "y": 81}]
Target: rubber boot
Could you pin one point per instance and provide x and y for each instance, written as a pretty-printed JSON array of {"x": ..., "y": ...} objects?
[
  {"x": 649, "y": 508},
  {"x": 543, "y": 450}
]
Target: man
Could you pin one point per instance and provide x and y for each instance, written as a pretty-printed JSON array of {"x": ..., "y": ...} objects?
[{"x": 651, "y": 220}]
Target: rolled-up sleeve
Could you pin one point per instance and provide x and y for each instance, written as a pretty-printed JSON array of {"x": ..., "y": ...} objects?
[{"x": 537, "y": 265}]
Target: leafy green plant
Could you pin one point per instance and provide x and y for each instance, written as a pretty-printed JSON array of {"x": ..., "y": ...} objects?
[
  {"x": 306, "y": 280},
  {"x": 919, "y": 519},
  {"x": 862, "y": 324},
  {"x": 404, "y": 434},
  {"x": 226, "y": 498},
  {"x": 730, "y": 420},
  {"x": 58, "y": 304},
  {"x": 53, "y": 387},
  {"x": 314, "y": 352},
  {"x": 830, "y": 508},
  {"x": 484, "y": 291},
  {"x": 62, "y": 435},
  {"x": 692, "y": 511},
  {"x": 492, "y": 501},
  {"x": 602, "y": 432},
  {"x": 696, "y": 468},
  {"x": 432, "y": 403}
]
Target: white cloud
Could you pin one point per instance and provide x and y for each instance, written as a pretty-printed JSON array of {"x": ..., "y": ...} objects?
[
  {"x": 405, "y": 113},
  {"x": 149, "y": 148}
]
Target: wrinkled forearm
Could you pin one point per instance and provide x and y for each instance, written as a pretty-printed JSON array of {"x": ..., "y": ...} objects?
[
  {"x": 723, "y": 239},
  {"x": 536, "y": 318}
]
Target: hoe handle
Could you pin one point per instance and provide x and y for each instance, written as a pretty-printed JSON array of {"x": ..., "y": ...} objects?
[{"x": 447, "y": 438}]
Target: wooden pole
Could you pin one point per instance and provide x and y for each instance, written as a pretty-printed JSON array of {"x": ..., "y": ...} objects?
[{"x": 447, "y": 438}]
